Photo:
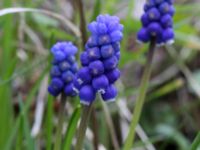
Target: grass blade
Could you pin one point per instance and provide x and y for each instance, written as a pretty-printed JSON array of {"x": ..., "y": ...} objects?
[
  {"x": 71, "y": 129},
  {"x": 196, "y": 143}
]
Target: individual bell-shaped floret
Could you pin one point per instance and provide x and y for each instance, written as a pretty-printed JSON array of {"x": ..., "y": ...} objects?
[
  {"x": 110, "y": 93},
  {"x": 87, "y": 94},
  {"x": 100, "y": 83},
  {"x": 113, "y": 75},
  {"x": 56, "y": 86},
  {"x": 107, "y": 51},
  {"x": 110, "y": 63},
  {"x": 96, "y": 68}
]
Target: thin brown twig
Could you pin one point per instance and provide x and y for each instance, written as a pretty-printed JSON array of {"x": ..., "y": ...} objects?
[
  {"x": 82, "y": 22},
  {"x": 94, "y": 128}
]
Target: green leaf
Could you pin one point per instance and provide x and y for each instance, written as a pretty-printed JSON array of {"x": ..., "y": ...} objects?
[
  {"x": 29, "y": 100},
  {"x": 72, "y": 127},
  {"x": 96, "y": 10},
  {"x": 45, "y": 20},
  {"x": 196, "y": 143},
  {"x": 26, "y": 127}
]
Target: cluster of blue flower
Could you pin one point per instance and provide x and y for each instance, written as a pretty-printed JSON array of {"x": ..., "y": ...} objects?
[
  {"x": 64, "y": 69},
  {"x": 157, "y": 22},
  {"x": 100, "y": 60}
]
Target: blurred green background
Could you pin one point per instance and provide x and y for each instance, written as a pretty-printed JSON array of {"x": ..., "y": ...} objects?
[{"x": 28, "y": 115}]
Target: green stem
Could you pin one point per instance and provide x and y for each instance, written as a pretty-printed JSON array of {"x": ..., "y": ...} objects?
[
  {"x": 61, "y": 117},
  {"x": 196, "y": 143},
  {"x": 141, "y": 97},
  {"x": 94, "y": 129},
  {"x": 83, "y": 126},
  {"x": 110, "y": 126}
]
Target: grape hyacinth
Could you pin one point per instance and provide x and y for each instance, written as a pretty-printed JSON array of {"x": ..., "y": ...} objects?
[
  {"x": 99, "y": 61},
  {"x": 64, "y": 68},
  {"x": 157, "y": 21}
]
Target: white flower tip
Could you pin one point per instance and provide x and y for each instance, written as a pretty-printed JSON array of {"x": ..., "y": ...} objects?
[
  {"x": 139, "y": 42},
  {"x": 101, "y": 91},
  {"x": 169, "y": 42},
  {"x": 85, "y": 102},
  {"x": 80, "y": 81},
  {"x": 110, "y": 100},
  {"x": 76, "y": 90}
]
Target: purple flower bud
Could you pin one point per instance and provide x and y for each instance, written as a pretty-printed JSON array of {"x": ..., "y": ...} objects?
[
  {"x": 110, "y": 63},
  {"x": 78, "y": 83},
  {"x": 56, "y": 86},
  {"x": 102, "y": 18},
  {"x": 166, "y": 21},
  {"x": 143, "y": 35},
  {"x": 110, "y": 94},
  {"x": 84, "y": 75},
  {"x": 107, "y": 51},
  {"x": 145, "y": 20},
  {"x": 150, "y": 3},
  {"x": 92, "y": 41},
  {"x": 64, "y": 65},
  {"x": 59, "y": 56},
  {"x": 116, "y": 36},
  {"x": 69, "y": 91},
  {"x": 113, "y": 75},
  {"x": 168, "y": 36},
  {"x": 172, "y": 10},
  {"x": 153, "y": 14},
  {"x": 114, "y": 25},
  {"x": 74, "y": 68},
  {"x": 104, "y": 39},
  {"x": 87, "y": 95},
  {"x": 164, "y": 8},
  {"x": 96, "y": 68},
  {"x": 84, "y": 59},
  {"x": 170, "y": 1},
  {"x": 102, "y": 29},
  {"x": 116, "y": 46},
  {"x": 55, "y": 71},
  {"x": 67, "y": 76},
  {"x": 154, "y": 29},
  {"x": 93, "y": 53},
  {"x": 71, "y": 59},
  {"x": 158, "y": 2},
  {"x": 53, "y": 91},
  {"x": 92, "y": 27},
  {"x": 118, "y": 55},
  {"x": 70, "y": 49},
  {"x": 100, "y": 83}
]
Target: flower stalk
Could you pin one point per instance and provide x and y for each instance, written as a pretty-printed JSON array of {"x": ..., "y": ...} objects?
[
  {"x": 83, "y": 125},
  {"x": 61, "y": 119},
  {"x": 141, "y": 97},
  {"x": 82, "y": 22}
]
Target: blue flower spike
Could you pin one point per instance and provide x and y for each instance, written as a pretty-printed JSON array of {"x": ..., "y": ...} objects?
[
  {"x": 100, "y": 60},
  {"x": 157, "y": 21},
  {"x": 63, "y": 70}
]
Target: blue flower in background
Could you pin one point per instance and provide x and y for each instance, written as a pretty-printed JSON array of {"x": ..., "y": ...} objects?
[
  {"x": 157, "y": 21},
  {"x": 100, "y": 60},
  {"x": 64, "y": 69}
]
